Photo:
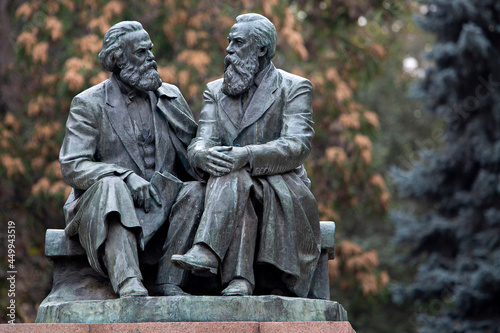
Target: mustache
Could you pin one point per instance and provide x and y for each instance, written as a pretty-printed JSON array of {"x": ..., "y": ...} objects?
[
  {"x": 228, "y": 60},
  {"x": 236, "y": 62},
  {"x": 148, "y": 66}
]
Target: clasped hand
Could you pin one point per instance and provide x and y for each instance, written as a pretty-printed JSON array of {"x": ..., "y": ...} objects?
[
  {"x": 221, "y": 160},
  {"x": 142, "y": 191}
]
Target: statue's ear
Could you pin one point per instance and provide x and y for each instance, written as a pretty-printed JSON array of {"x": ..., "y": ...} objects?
[{"x": 262, "y": 51}]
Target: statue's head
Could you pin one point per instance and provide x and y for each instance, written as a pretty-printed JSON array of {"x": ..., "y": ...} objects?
[
  {"x": 252, "y": 45},
  {"x": 126, "y": 51}
]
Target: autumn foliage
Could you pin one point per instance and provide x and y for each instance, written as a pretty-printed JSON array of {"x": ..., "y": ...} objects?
[
  {"x": 55, "y": 57},
  {"x": 351, "y": 260}
]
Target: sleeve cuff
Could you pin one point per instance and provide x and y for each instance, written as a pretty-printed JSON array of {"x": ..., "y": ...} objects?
[{"x": 250, "y": 157}]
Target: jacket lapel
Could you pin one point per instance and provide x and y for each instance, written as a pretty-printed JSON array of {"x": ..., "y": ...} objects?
[
  {"x": 121, "y": 122},
  {"x": 262, "y": 99},
  {"x": 231, "y": 106}
]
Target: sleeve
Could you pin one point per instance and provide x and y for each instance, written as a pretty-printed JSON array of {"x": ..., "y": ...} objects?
[
  {"x": 181, "y": 118},
  {"x": 207, "y": 135},
  {"x": 77, "y": 157},
  {"x": 183, "y": 130},
  {"x": 293, "y": 146}
]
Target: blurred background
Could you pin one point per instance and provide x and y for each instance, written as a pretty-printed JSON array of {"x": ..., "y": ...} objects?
[{"x": 405, "y": 158}]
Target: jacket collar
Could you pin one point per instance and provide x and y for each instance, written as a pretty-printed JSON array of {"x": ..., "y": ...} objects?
[
  {"x": 166, "y": 91},
  {"x": 113, "y": 91}
]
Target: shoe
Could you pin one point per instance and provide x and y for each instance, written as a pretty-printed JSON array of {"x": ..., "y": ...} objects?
[
  {"x": 199, "y": 259},
  {"x": 238, "y": 287},
  {"x": 132, "y": 287},
  {"x": 169, "y": 289}
]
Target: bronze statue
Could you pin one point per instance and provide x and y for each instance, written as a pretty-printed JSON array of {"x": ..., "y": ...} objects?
[
  {"x": 254, "y": 133},
  {"x": 125, "y": 156}
]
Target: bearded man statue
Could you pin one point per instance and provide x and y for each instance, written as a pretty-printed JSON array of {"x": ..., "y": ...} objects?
[
  {"x": 124, "y": 154},
  {"x": 255, "y": 131}
]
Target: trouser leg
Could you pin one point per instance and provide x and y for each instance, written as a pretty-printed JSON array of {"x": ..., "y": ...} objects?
[
  {"x": 240, "y": 255},
  {"x": 229, "y": 223},
  {"x": 240, "y": 258},
  {"x": 107, "y": 199},
  {"x": 184, "y": 219},
  {"x": 120, "y": 254},
  {"x": 225, "y": 200}
]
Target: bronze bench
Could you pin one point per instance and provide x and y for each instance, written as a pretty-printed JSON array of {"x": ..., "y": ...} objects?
[{"x": 75, "y": 279}]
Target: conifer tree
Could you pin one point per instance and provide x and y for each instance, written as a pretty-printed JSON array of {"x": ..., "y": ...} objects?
[{"x": 455, "y": 239}]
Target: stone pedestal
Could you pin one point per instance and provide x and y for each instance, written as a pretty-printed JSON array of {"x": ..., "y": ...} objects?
[
  {"x": 81, "y": 295},
  {"x": 215, "y": 327},
  {"x": 191, "y": 309}
]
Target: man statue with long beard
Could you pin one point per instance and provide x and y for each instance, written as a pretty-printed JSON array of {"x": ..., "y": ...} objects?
[
  {"x": 125, "y": 156},
  {"x": 260, "y": 225}
]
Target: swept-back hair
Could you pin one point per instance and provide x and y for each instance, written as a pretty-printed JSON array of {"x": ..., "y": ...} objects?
[
  {"x": 112, "y": 47},
  {"x": 264, "y": 32}
]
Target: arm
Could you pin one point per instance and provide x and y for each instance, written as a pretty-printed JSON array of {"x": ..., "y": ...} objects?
[
  {"x": 78, "y": 162},
  {"x": 182, "y": 127},
  {"x": 294, "y": 144},
  {"x": 179, "y": 115},
  {"x": 205, "y": 151},
  {"x": 207, "y": 135}
]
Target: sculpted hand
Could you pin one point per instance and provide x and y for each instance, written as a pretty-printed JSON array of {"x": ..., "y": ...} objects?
[
  {"x": 215, "y": 161},
  {"x": 240, "y": 157},
  {"x": 142, "y": 191}
]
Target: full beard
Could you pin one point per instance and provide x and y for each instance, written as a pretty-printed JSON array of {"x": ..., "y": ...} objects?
[
  {"x": 145, "y": 77},
  {"x": 239, "y": 74}
]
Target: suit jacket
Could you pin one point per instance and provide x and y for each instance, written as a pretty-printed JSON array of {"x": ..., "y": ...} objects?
[
  {"x": 100, "y": 139},
  {"x": 277, "y": 127},
  {"x": 277, "y": 130}
]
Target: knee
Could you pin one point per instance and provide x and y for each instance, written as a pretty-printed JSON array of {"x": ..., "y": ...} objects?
[
  {"x": 238, "y": 174},
  {"x": 113, "y": 188},
  {"x": 232, "y": 177},
  {"x": 194, "y": 190},
  {"x": 236, "y": 181},
  {"x": 188, "y": 205},
  {"x": 191, "y": 197},
  {"x": 112, "y": 182}
]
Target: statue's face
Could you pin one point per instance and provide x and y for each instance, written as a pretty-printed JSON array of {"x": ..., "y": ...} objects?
[
  {"x": 138, "y": 47},
  {"x": 242, "y": 61},
  {"x": 240, "y": 40},
  {"x": 140, "y": 71}
]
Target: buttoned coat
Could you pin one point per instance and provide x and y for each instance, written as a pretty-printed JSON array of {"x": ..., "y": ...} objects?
[{"x": 276, "y": 129}]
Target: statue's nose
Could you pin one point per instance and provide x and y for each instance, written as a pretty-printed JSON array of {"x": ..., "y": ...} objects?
[
  {"x": 151, "y": 56},
  {"x": 229, "y": 48}
]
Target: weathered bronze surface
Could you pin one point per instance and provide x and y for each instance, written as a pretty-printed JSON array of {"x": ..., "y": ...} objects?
[
  {"x": 125, "y": 156},
  {"x": 157, "y": 197},
  {"x": 260, "y": 226}
]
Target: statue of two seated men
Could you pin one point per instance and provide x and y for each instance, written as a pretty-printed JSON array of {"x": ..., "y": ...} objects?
[{"x": 227, "y": 197}]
